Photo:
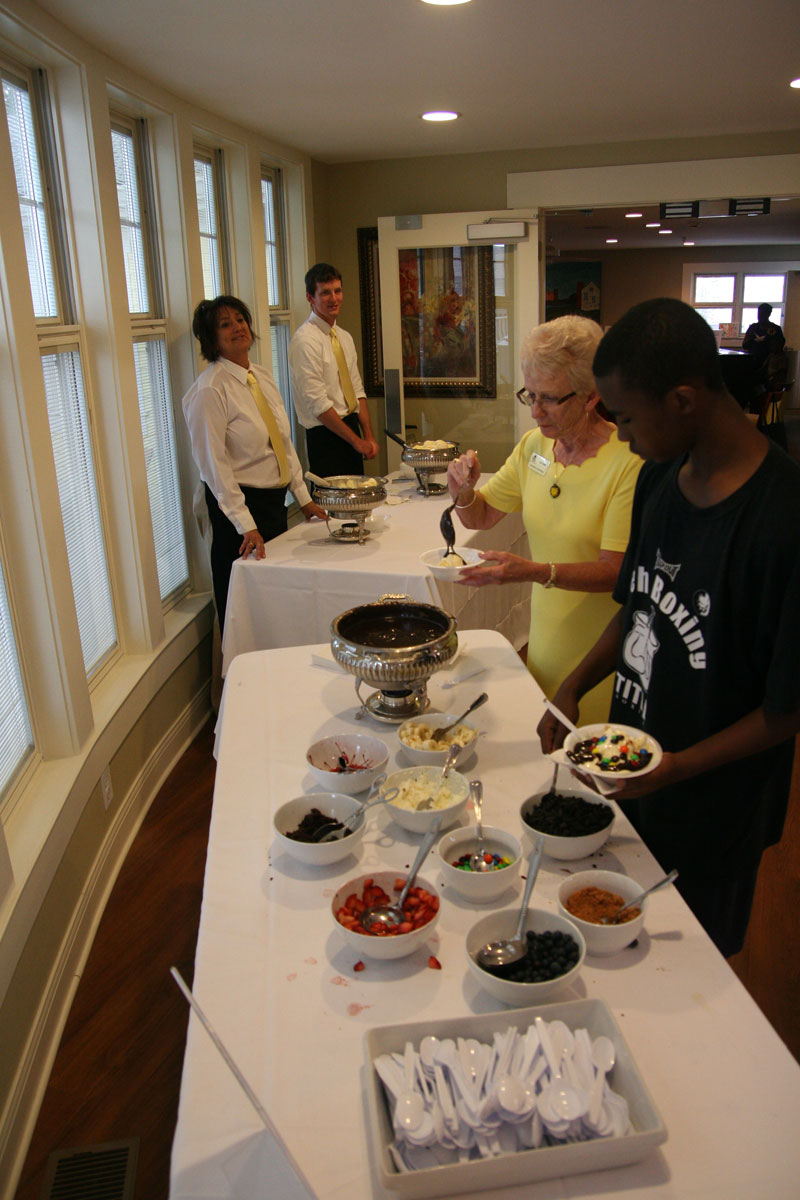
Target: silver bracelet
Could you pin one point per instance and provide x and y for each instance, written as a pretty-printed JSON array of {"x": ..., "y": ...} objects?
[
  {"x": 551, "y": 582},
  {"x": 472, "y": 501}
]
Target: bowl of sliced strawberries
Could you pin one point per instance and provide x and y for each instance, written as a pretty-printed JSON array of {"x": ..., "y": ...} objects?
[{"x": 421, "y": 908}]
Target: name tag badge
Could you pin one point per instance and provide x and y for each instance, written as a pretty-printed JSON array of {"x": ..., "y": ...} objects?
[{"x": 539, "y": 464}]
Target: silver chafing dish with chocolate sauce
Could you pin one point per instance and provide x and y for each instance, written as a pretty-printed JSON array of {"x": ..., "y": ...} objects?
[
  {"x": 394, "y": 644},
  {"x": 350, "y": 499}
]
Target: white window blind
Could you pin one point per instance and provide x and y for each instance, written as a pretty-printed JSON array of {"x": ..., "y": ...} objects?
[
  {"x": 80, "y": 504},
  {"x": 31, "y": 198},
  {"x": 130, "y": 217},
  {"x": 209, "y": 227},
  {"x": 158, "y": 434},
  {"x": 16, "y": 739}
]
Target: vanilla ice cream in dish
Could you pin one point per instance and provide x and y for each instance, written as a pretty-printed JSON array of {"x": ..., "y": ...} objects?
[
  {"x": 612, "y": 749},
  {"x": 419, "y": 790}
]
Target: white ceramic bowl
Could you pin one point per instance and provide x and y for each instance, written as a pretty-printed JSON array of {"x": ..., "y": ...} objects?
[
  {"x": 567, "y": 848},
  {"x": 501, "y": 924},
  {"x": 432, "y": 558},
  {"x": 481, "y": 887},
  {"x": 603, "y": 939},
  {"x": 429, "y": 779},
  {"x": 396, "y": 945},
  {"x": 335, "y": 805},
  {"x": 323, "y": 759},
  {"x": 431, "y": 721},
  {"x": 589, "y": 731}
]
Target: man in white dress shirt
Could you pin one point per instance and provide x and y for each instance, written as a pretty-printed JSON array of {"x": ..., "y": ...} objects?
[
  {"x": 326, "y": 387},
  {"x": 241, "y": 442}
]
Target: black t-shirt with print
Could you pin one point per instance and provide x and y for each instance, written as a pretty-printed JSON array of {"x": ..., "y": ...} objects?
[{"x": 711, "y": 632}]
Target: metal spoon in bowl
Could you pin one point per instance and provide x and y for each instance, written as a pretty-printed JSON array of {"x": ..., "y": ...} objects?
[
  {"x": 476, "y": 860},
  {"x": 333, "y": 830},
  {"x": 509, "y": 950},
  {"x": 638, "y": 899},
  {"x": 441, "y": 730},
  {"x": 392, "y": 915}
]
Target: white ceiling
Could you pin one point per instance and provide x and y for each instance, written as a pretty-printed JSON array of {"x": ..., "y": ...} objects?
[{"x": 347, "y": 80}]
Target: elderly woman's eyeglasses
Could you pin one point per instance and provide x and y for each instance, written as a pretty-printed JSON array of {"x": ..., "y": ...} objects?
[{"x": 529, "y": 398}]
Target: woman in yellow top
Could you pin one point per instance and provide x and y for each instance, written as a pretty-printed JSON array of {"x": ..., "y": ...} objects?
[{"x": 573, "y": 480}]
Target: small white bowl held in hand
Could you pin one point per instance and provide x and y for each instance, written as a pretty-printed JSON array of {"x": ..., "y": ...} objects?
[
  {"x": 424, "y": 782},
  {"x": 335, "y": 805},
  {"x": 481, "y": 887},
  {"x": 366, "y": 755},
  {"x": 395, "y": 945},
  {"x": 501, "y": 924},
  {"x": 429, "y": 722},
  {"x": 433, "y": 559},
  {"x": 587, "y": 732},
  {"x": 566, "y": 848},
  {"x": 603, "y": 939}
]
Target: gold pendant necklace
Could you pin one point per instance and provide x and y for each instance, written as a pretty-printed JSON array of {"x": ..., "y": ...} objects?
[{"x": 555, "y": 490}]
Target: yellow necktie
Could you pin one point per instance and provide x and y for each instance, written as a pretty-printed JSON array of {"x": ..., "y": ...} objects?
[
  {"x": 344, "y": 374},
  {"x": 275, "y": 439}
]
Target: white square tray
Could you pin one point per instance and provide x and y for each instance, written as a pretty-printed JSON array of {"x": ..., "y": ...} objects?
[{"x": 548, "y": 1162}]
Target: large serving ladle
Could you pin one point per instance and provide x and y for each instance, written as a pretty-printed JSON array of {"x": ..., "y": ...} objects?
[
  {"x": 510, "y": 950},
  {"x": 392, "y": 915}
]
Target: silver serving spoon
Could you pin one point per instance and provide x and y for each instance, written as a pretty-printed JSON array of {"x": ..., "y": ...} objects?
[
  {"x": 330, "y": 831},
  {"x": 441, "y": 730},
  {"x": 450, "y": 761},
  {"x": 476, "y": 860},
  {"x": 638, "y": 899},
  {"x": 392, "y": 915},
  {"x": 510, "y": 950}
]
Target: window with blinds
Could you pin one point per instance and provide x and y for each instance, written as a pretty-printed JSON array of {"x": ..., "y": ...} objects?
[
  {"x": 41, "y": 209},
  {"x": 16, "y": 740},
  {"x": 211, "y": 214},
  {"x": 142, "y": 274}
]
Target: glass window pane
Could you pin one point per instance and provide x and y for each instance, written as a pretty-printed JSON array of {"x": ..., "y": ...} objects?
[
  {"x": 16, "y": 739},
  {"x": 714, "y": 289},
  {"x": 764, "y": 289},
  {"x": 209, "y": 229},
  {"x": 31, "y": 198},
  {"x": 80, "y": 504},
  {"x": 271, "y": 239},
  {"x": 130, "y": 220},
  {"x": 715, "y": 315},
  {"x": 158, "y": 435}
]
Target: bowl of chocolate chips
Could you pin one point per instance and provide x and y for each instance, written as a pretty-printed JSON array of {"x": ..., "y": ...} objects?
[
  {"x": 298, "y": 823},
  {"x": 573, "y": 823}
]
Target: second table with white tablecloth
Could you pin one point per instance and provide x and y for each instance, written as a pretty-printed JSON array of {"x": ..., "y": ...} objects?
[{"x": 307, "y": 578}]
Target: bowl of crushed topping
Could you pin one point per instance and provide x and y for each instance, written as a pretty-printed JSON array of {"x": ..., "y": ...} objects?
[
  {"x": 423, "y": 795},
  {"x": 297, "y": 821},
  {"x": 418, "y": 743},
  {"x": 449, "y": 566},
  {"x": 588, "y": 896},
  {"x": 384, "y": 887},
  {"x": 348, "y": 762},
  {"x": 554, "y": 953},
  {"x": 612, "y": 750},
  {"x": 501, "y": 855},
  {"x": 573, "y": 824}
]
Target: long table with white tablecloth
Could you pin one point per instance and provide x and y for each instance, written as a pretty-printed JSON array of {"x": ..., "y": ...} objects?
[{"x": 278, "y": 984}]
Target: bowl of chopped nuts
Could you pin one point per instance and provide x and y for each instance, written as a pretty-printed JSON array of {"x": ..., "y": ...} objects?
[{"x": 587, "y": 897}]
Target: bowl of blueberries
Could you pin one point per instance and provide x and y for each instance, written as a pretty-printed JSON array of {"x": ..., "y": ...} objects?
[
  {"x": 554, "y": 953},
  {"x": 574, "y": 824}
]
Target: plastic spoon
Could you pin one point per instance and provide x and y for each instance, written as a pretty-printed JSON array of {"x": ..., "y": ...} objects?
[
  {"x": 637, "y": 899},
  {"x": 603, "y": 1058},
  {"x": 509, "y": 950},
  {"x": 391, "y": 915}
]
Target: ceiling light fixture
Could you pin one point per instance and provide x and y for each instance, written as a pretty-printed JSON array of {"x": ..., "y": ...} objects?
[
  {"x": 440, "y": 115},
  {"x": 795, "y": 83},
  {"x": 688, "y": 243},
  {"x": 611, "y": 241},
  {"x": 630, "y": 215},
  {"x": 664, "y": 231},
  {"x": 443, "y": 2},
  {"x": 652, "y": 225}
]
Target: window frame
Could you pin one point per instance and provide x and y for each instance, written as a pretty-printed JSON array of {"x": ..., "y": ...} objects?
[
  {"x": 136, "y": 128},
  {"x": 739, "y": 270},
  {"x": 215, "y": 157}
]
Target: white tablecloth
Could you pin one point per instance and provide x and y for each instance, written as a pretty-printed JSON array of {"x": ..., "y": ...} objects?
[
  {"x": 278, "y": 984},
  {"x": 290, "y": 597}
]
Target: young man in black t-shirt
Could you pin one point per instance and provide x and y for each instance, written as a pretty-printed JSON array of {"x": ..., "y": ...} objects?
[{"x": 706, "y": 646}]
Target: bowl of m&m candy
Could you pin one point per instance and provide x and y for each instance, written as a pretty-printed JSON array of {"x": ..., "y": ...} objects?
[{"x": 499, "y": 862}]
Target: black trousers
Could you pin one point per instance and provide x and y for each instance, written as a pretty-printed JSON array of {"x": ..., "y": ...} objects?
[
  {"x": 328, "y": 454},
  {"x": 268, "y": 509}
]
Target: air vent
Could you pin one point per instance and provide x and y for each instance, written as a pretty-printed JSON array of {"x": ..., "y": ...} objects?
[
  {"x": 748, "y": 208},
  {"x": 103, "y": 1172},
  {"x": 679, "y": 208}
]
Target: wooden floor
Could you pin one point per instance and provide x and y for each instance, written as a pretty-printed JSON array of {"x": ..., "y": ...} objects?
[{"x": 117, "y": 1072}]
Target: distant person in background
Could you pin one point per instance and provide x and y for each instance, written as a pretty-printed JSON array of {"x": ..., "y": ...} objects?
[
  {"x": 241, "y": 443},
  {"x": 327, "y": 391},
  {"x": 764, "y": 341}
]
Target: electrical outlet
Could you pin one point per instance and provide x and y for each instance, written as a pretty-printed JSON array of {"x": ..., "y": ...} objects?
[{"x": 108, "y": 790}]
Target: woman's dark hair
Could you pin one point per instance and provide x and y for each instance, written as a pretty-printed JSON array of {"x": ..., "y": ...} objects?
[
  {"x": 659, "y": 345},
  {"x": 204, "y": 323},
  {"x": 320, "y": 273}
]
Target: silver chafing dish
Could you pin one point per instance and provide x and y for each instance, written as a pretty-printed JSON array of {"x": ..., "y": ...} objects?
[
  {"x": 395, "y": 644},
  {"x": 427, "y": 460},
  {"x": 349, "y": 499}
]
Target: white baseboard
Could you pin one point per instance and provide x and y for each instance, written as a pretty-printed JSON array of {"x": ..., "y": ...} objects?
[{"x": 31, "y": 1080}]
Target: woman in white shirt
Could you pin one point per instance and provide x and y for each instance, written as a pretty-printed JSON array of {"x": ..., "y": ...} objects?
[{"x": 241, "y": 442}]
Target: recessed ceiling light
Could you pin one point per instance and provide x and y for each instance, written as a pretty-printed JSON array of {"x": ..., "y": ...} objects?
[
  {"x": 446, "y": 1},
  {"x": 611, "y": 241},
  {"x": 440, "y": 115},
  {"x": 664, "y": 231},
  {"x": 631, "y": 214},
  {"x": 795, "y": 83},
  {"x": 688, "y": 243},
  {"x": 652, "y": 225}
]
